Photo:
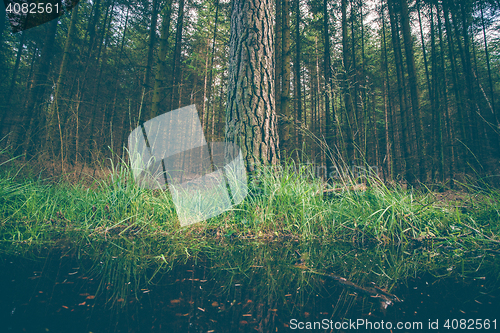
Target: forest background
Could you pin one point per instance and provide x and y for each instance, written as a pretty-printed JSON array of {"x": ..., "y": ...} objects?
[{"x": 409, "y": 87}]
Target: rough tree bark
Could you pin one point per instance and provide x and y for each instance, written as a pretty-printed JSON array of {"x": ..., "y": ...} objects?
[{"x": 250, "y": 109}]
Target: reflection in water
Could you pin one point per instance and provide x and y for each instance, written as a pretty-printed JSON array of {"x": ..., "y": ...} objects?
[{"x": 259, "y": 287}]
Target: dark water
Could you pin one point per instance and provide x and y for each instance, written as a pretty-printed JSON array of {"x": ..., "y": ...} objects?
[{"x": 55, "y": 294}]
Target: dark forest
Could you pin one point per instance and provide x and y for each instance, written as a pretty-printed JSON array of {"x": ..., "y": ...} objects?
[{"x": 411, "y": 88}]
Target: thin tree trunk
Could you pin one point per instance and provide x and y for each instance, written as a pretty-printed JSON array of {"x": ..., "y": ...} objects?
[
  {"x": 443, "y": 84},
  {"x": 33, "y": 114},
  {"x": 95, "y": 96},
  {"x": 350, "y": 149},
  {"x": 151, "y": 44},
  {"x": 298, "y": 89},
  {"x": 161, "y": 73},
  {"x": 5, "y": 107},
  {"x": 463, "y": 156},
  {"x": 55, "y": 114},
  {"x": 412, "y": 82},
  {"x": 210, "y": 75},
  {"x": 405, "y": 132},
  {"x": 390, "y": 153},
  {"x": 2, "y": 27},
  {"x": 205, "y": 88},
  {"x": 496, "y": 139},
  {"x": 278, "y": 57},
  {"x": 176, "y": 63},
  {"x": 16, "y": 67},
  {"x": 364, "y": 88},
  {"x": 437, "y": 111},
  {"x": 471, "y": 124},
  {"x": 328, "y": 82},
  {"x": 353, "y": 79},
  {"x": 286, "y": 140}
]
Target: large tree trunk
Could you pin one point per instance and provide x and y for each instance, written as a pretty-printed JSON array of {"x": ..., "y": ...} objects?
[{"x": 250, "y": 112}]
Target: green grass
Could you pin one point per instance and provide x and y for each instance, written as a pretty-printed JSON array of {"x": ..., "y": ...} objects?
[
  {"x": 283, "y": 202},
  {"x": 110, "y": 217}
]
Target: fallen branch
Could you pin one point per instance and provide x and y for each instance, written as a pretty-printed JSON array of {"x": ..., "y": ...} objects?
[{"x": 386, "y": 298}]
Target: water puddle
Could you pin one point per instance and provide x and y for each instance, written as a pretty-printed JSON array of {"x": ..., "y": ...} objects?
[{"x": 255, "y": 288}]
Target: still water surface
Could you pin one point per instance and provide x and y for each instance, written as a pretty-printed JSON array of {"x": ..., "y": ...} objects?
[{"x": 257, "y": 288}]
